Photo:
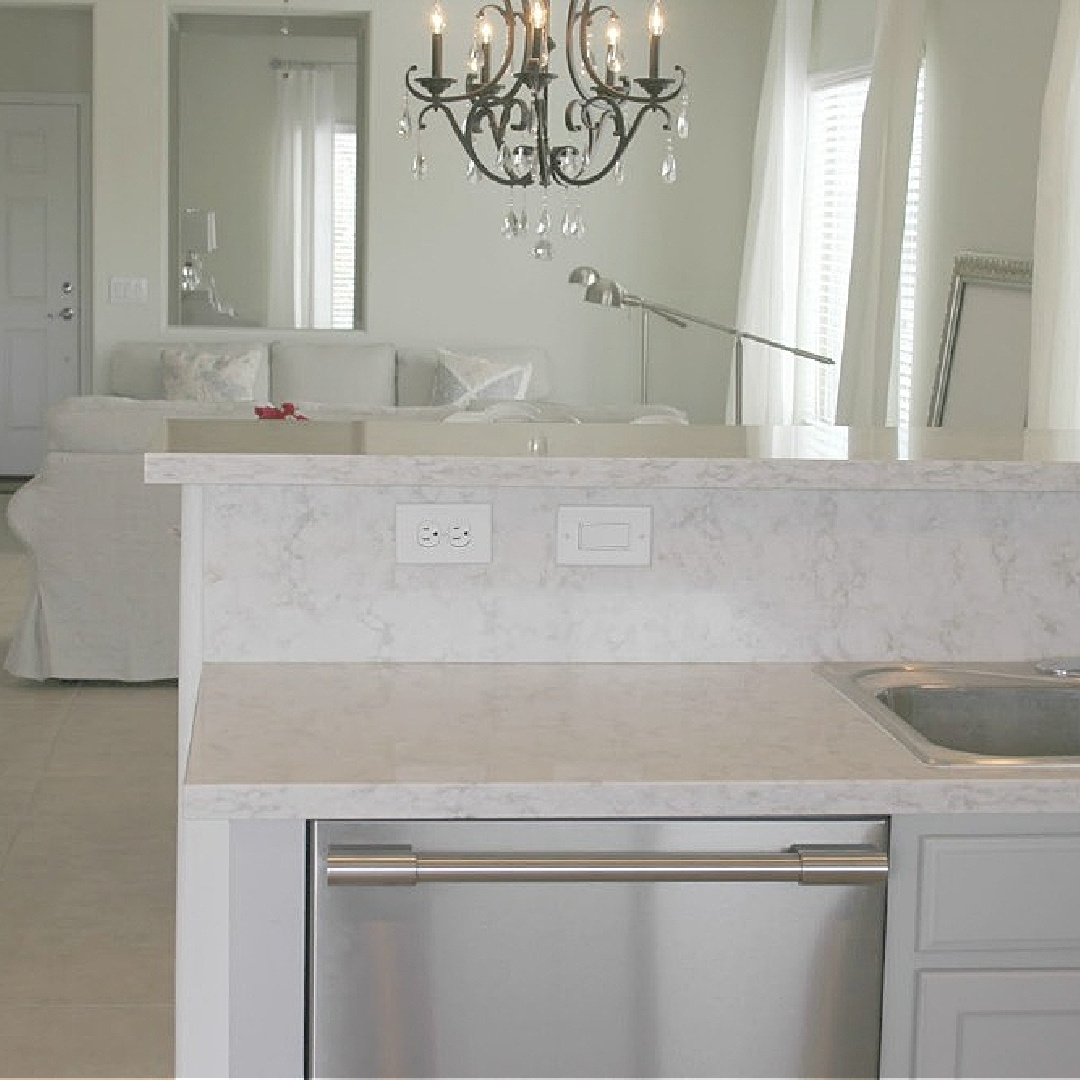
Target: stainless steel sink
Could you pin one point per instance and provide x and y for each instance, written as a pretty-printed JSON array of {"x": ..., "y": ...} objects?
[{"x": 964, "y": 714}]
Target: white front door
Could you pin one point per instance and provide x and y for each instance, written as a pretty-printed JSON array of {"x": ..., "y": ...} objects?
[{"x": 39, "y": 284}]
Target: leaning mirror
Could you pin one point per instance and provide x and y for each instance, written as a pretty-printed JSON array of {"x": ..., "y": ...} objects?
[
  {"x": 266, "y": 182},
  {"x": 982, "y": 373}
]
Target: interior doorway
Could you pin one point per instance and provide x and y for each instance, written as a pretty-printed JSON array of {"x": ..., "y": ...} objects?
[{"x": 45, "y": 304}]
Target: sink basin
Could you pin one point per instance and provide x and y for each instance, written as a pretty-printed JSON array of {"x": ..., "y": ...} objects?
[{"x": 984, "y": 715}]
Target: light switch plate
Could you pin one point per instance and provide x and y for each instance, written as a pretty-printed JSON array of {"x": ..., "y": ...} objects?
[
  {"x": 129, "y": 290},
  {"x": 604, "y": 536}
]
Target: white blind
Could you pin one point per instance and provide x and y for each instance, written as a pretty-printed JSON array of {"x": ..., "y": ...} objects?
[
  {"x": 831, "y": 188},
  {"x": 905, "y": 323},
  {"x": 832, "y": 179},
  {"x": 344, "y": 287}
]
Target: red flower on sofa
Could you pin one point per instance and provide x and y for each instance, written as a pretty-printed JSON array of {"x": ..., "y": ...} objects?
[{"x": 285, "y": 411}]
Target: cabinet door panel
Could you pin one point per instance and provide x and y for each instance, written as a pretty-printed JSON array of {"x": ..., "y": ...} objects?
[
  {"x": 1028, "y": 889},
  {"x": 998, "y": 1023}
]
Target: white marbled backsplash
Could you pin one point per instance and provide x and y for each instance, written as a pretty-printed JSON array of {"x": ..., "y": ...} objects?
[{"x": 308, "y": 573}]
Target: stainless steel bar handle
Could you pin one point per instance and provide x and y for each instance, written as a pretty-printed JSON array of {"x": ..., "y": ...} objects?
[{"x": 809, "y": 865}]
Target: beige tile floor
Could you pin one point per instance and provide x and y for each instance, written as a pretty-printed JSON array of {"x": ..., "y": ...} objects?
[{"x": 87, "y": 843}]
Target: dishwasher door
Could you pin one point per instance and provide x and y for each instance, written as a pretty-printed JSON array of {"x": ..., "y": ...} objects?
[{"x": 576, "y": 949}]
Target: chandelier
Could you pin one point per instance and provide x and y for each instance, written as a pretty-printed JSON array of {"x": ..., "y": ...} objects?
[{"x": 501, "y": 113}]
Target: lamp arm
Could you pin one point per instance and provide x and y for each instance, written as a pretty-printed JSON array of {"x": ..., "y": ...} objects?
[{"x": 683, "y": 317}]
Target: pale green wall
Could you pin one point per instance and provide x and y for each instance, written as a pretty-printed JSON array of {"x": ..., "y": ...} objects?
[{"x": 45, "y": 51}]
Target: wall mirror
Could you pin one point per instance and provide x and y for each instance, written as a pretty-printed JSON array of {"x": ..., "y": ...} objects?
[{"x": 266, "y": 174}]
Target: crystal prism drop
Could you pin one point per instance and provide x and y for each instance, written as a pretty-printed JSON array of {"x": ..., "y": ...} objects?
[
  {"x": 472, "y": 173},
  {"x": 577, "y": 228},
  {"x": 543, "y": 223},
  {"x": 669, "y": 170},
  {"x": 404, "y": 127},
  {"x": 682, "y": 121},
  {"x": 419, "y": 166},
  {"x": 567, "y": 225},
  {"x": 543, "y": 250},
  {"x": 510, "y": 224},
  {"x": 620, "y": 172},
  {"x": 522, "y": 222}
]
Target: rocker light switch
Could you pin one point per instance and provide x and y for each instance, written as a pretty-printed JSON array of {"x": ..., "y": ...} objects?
[{"x": 604, "y": 536}]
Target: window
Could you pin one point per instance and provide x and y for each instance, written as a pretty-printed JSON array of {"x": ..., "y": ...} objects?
[
  {"x": 834, "y": 134},
  {"x": 344, "y": 283}
]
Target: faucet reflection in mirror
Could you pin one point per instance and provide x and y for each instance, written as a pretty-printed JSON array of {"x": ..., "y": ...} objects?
[
  {"x": 504, "y": 128},
  {"x": 609, "y": 293},
  {"x": 198, "y": 289}
]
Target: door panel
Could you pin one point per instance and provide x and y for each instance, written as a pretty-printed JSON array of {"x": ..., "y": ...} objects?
[{"x": 39, "y": 263}]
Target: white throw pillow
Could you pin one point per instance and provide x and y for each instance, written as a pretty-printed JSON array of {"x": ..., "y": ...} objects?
[
  {"x": 202, "y": 375},
  {"x": 461, "y": 380}
]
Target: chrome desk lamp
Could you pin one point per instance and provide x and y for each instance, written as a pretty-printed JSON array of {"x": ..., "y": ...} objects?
[{"x": 609, "y": 293}]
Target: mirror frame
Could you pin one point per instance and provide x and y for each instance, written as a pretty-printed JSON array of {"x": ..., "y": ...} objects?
[{"x": 970, "y": 268}]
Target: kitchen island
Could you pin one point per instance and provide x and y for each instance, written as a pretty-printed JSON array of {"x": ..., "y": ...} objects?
[{"x": 320, "y": 678}]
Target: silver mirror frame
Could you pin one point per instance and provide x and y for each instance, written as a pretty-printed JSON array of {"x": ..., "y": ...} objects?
[{"x": 970, "y": 268}]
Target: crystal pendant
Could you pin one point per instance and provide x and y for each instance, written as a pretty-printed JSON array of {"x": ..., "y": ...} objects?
[
  {"x": 682, "y": 121},
  {"x": 419, "y": 166},
  {"x": 405, "y": 126},
  {"x": 510, "y": 223},
  {"x": 476, "y": 58},
  {"x": 577, "y": 225},
  {"x": 543, "y": 222},
  {"x": 620, "y": 172},
  {"x": 472, "y": 173},
  {"x": 567, "y": 225},
  {"x": 669, "y": 170},
  {"x": 543, "y": 250}
]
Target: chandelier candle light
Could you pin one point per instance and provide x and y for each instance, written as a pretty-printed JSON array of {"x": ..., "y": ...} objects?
[{"x": 500, "y": 115}]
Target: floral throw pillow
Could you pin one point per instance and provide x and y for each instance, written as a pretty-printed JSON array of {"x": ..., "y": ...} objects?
[
  {"x": 200, "y": 375},
  {"x": 461, "y": 380}
]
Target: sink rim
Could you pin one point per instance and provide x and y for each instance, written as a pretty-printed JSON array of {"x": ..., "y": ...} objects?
[{"x": 859, "y": 683}]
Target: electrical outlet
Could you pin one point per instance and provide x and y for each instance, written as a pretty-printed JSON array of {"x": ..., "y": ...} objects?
[{"x": 428, "y": 533}]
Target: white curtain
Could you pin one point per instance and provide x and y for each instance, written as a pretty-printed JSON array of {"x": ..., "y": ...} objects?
[
  {"x": 884, "y": 161},
  {"x": 1054, "y": 392},
  {"x": 769, "y": 286},
  {"x": 301, "y": 202}
]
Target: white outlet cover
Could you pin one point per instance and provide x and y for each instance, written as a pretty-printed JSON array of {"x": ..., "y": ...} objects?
[
  {"x": 604, "y": 536},
  {"x": 417, "y": 523}
]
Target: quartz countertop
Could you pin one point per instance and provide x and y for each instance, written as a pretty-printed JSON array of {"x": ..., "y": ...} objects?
[
  {"x": 410, "y": 741},
  {"x": 387, "y": 452}
]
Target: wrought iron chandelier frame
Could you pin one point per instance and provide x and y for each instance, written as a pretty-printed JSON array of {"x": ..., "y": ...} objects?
[{"x": 499, "y": 111}]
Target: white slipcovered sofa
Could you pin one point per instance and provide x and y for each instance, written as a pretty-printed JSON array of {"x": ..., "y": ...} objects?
[{"x": 104, "y": 545}]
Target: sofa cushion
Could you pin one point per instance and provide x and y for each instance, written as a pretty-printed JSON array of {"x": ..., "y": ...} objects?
[
  {"x": 461, "y": 380},
  {"x": 339, "y": 373},
  {"x": 416, "y": 370},
  {"x": 108, "y": 425},
  {"x": 135, "y": 366},
  {"x": 210, "y": 375}
]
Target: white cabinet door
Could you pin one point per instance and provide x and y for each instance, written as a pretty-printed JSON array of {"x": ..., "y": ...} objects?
[
  {"x": 998, "y": 1023},
  {"x": 39, "y": 264}
]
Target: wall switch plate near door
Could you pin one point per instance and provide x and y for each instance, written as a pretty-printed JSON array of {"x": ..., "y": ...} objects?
[{"x": 455, "y": 533}]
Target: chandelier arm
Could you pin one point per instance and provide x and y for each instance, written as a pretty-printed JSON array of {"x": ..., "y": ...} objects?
[
  {"x": 625, "y": 137},
  {"x": 621, "y": 94},
  {"x": 505, "y": 180},
  {"x": 584, "y": 19}
]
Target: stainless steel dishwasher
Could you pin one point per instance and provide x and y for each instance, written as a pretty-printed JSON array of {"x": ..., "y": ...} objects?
[{"x": 588, "y": 948}]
